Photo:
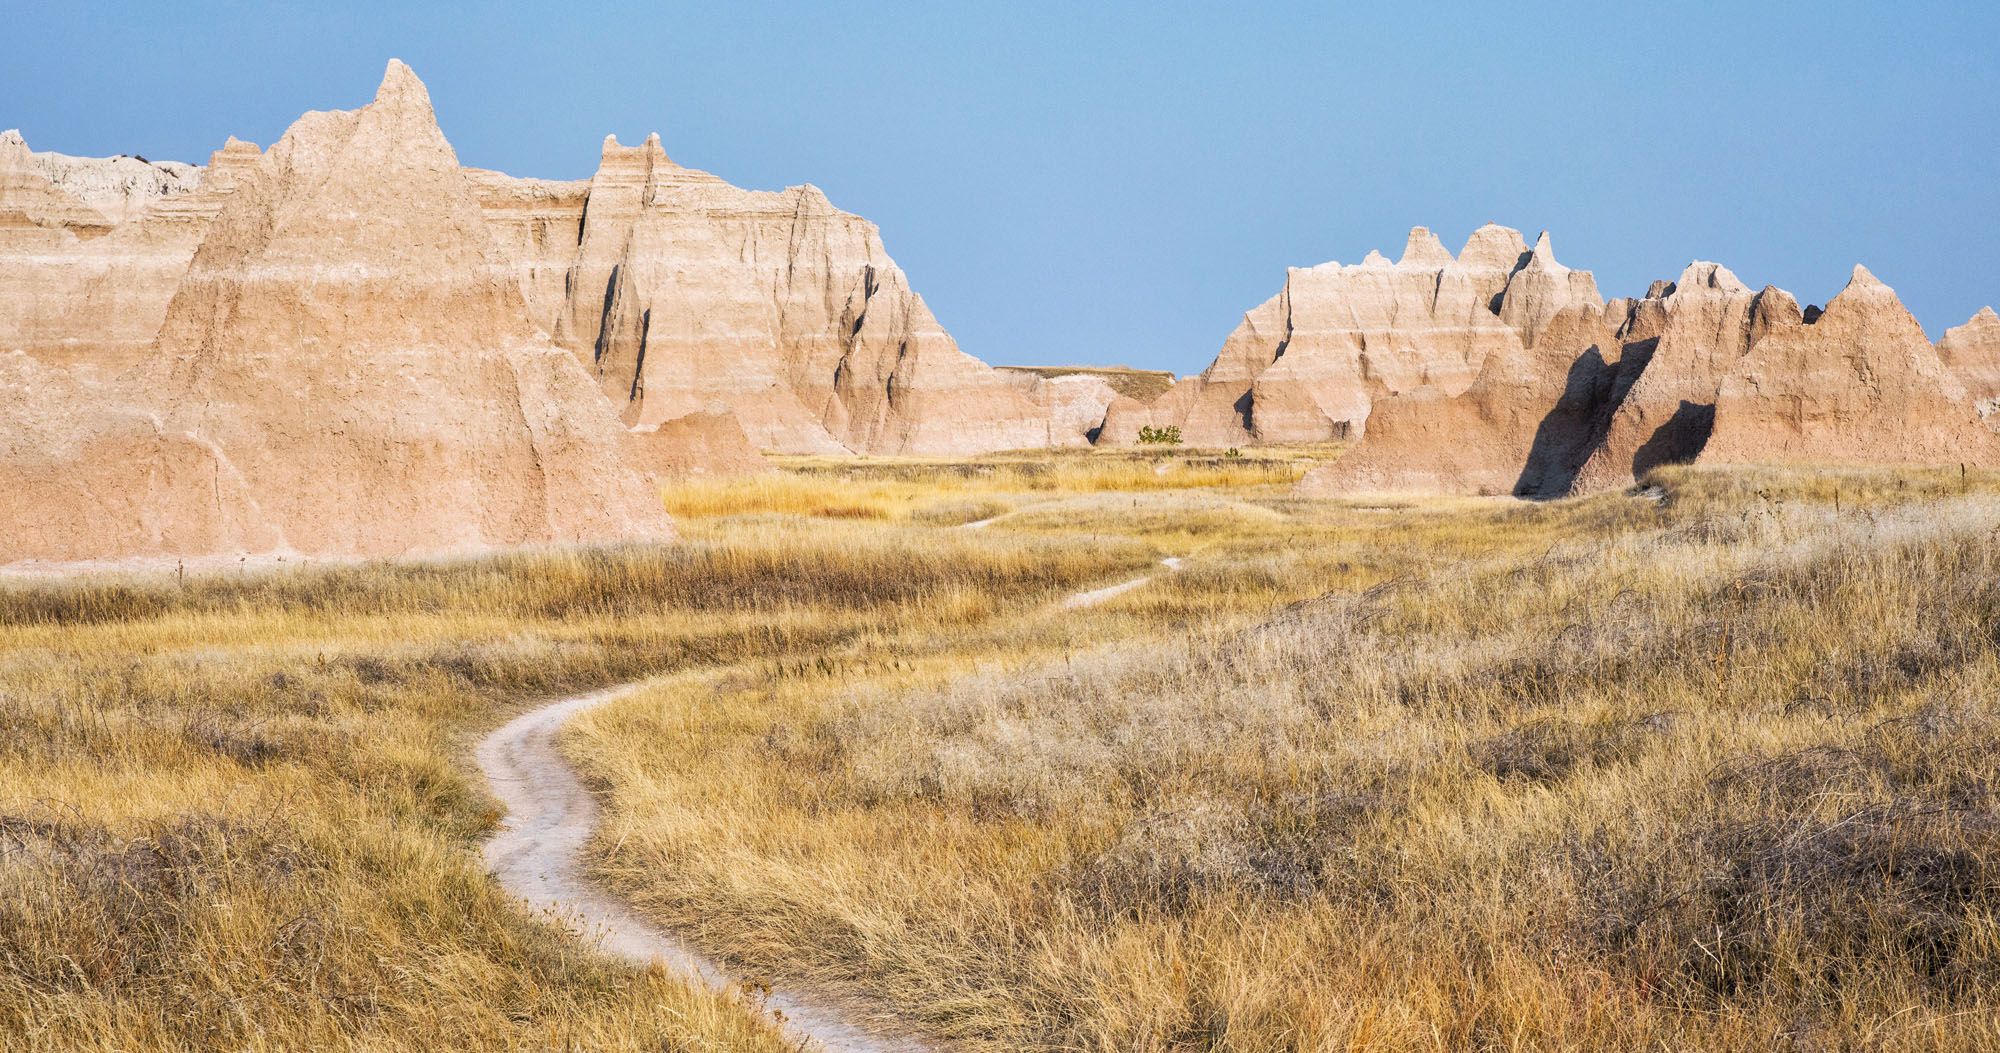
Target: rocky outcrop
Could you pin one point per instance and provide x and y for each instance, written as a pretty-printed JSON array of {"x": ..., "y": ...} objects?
[
  {"x": 1707, "y": 321},
  {"x": 1702, "y": 368},
  {"x": 536, "y": 225},
  {"x": 116, "y": 189},
  {"x": 685, "y": 291},
  {"x": 91, "y": 250},
  {"x": 1310, "y": 364},
  {"x": 1972, "y": 353},
  {"x": 1071, "y": 406},
  {"x": 706, "y": 445},
  {"x": 1540, "y": 290},
  {"x": 1124, "y": 381},
  {"x": 675, "y": 289},
  {"x": 353, "y": 357},
  {"x": 1859, "y": 384},
  {"x": 1522, "y": 428}
]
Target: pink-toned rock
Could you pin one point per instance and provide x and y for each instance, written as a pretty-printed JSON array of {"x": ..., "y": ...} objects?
[
  {"x": 675, "y": 289},
  {"x": 536, "y": 225},
  {"x": 1309, "y": 364},
  {"x": 1070, "y": 406},
  {"x": 686, "y": 291},
  {"x": 1522, "y": 428},
  {"x": 96, "y": 247},
  {"x": 350, "y": 354},
  {"x": 89, "y": 475},
  {"x": 704, "y": 445},
  {"x": 1859, "y": 384},
  {"x": 349, "y": 337},
  {"x": 1541, "y": 289},
  {"x": 1707, "y": 321},
  {"x": 1972, "y": 353}
]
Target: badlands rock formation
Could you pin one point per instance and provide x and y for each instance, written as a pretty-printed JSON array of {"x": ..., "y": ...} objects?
[
  {"x": 88, "y": 476},
  {"x": 1523, "y": 427},
  {"x": 350, "y": 366},
  {"x": 1310, "y": 363},
  {"x": 1860, "y": 384},
  {"x": 682, "y": 291},
  {"x": 1707, "y": 321},
  {"x": 92, "y": 249},
  {"x": 1500, "y": 371},
  {"x": 677, "y": 290},
  {"x": 1972, "y": 353}
]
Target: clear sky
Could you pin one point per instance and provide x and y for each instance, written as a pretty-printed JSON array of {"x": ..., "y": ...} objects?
[{"x": 1119, "y": 182}]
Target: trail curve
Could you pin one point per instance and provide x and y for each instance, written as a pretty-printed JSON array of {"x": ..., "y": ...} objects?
[{"x": 538, "y": 852}]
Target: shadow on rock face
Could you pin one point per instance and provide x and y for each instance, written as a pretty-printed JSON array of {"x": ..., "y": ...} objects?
[
  {"x": 1572, "y": 428},
  {"x": 1678, "y": 441}
]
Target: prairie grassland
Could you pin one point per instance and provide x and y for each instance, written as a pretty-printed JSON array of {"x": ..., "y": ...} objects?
[
  {"x": 235, "y": 812},
  {"x": 1709, "y": 767}
]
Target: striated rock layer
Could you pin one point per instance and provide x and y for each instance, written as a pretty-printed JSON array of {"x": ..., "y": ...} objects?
[
  {"x": 677, "y": 291},
  {"x": 1859, "y": 384},
  {"x": 1702, "y": 368},
  {"x": 1972, "y": 353},
  {"x": 1310, "y": 364},
  {"x": 92, "y": 249},
  {"x": 1523, "y": 427},
  {"x": 682, "y": 292},
  {"x": 351, "y": 361},
  {"x": 1707, "y": 321}
]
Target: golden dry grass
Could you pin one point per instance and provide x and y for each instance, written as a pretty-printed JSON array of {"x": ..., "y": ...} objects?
[
  {"x": 940, "y": 490},
  {"x": 1710, "y": 768},
  {"x": 1706, "y": 768},
  {"x": 234, "y": 812}
]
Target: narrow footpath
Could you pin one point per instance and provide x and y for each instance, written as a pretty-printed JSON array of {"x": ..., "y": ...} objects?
[{"x": 538, "y": 855}]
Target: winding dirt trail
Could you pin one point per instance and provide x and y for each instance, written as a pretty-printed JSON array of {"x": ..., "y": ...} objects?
[{"x": 538, "y": 855}]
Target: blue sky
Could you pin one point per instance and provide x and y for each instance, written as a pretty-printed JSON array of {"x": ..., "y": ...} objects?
[{"x": 1119, "y": 182}]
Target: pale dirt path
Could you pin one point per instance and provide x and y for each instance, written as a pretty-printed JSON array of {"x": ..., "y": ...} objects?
[
  {"x": 537, "y": 854},
  {"x": 1112, "y": 592}
]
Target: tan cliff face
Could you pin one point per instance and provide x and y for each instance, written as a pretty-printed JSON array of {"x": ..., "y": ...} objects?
[
  {"x": 1702, "y": 369},
  {"x": 467, "y": 348},
  {"x": 1311, "y": 363},
  {"x": 1972, "y": 353},
  {"x": 1709, "y": 319},
  {"x": 91, "y": 249},
  {"x": 91, "y": 472},
  {"x": 1523, "y": 426},
  {"x": 675, "y": 289},
  {"x": 351, "y": 359},
  {"x": 682, "y": 292},
  {"x": 708, "y": 444},
  {"x": 1859, "y": 384}
]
